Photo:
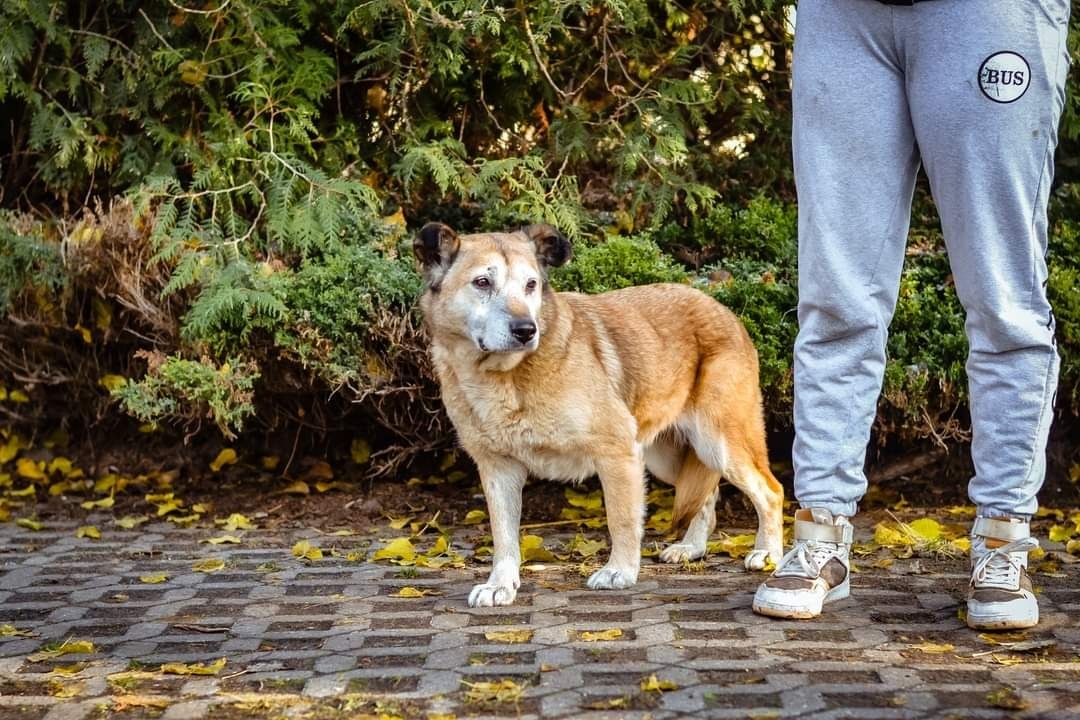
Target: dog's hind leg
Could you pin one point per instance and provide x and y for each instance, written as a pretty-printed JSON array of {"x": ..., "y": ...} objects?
[
  {"x": 503, "y": 481},
  {"x": 623, "y": 480},
  {"x": 735, "y": 446},
  {"x": 693, "y": 544},
  {"x": 752, "y": 475}
]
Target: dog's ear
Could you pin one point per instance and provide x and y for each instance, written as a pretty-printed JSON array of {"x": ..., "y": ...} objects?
[
  {"x": 435, "y": 248},
  {"x": 552, "y": 248}
]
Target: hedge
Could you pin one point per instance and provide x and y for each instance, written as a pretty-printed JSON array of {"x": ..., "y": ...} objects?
[{"x": 207, "y": 209}]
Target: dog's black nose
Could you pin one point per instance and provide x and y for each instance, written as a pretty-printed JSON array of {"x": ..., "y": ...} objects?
[{"x": 523, "y": 330}]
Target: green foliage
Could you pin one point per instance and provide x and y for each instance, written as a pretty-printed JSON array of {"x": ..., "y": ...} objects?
[
  {"x": 175, "y": 388},
  {"x": 26, "y": 261},
  {"x": 617, "y": 263},
  {"x": 1064, "y": 292},
  {"x": 278, "y": 153}
]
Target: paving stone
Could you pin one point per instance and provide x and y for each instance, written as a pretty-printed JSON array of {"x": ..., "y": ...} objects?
[{"x": 316, "y": 631}]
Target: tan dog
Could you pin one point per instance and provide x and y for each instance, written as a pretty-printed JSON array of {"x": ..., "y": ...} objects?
[{"x": 566, "y": 386}]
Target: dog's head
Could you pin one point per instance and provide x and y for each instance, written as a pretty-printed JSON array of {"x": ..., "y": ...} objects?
[{"x": 488, "y": 287}]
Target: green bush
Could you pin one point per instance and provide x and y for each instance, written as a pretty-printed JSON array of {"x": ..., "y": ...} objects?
[{"x": 234, "y": 185}]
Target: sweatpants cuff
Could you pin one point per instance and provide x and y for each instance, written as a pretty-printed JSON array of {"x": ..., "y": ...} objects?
[
  {"x": 997, "y": 512},
  {"x": 845, "y": 509}
]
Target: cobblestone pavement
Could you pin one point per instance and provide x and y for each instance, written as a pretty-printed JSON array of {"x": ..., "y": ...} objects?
[{"x": 326, "y": 639}]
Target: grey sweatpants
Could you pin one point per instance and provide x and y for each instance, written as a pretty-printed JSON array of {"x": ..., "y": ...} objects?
[{"x": 972, "y": 89}]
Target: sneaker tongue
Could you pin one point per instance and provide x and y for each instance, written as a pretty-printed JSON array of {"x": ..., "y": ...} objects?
[{"x": 821, "y": 517}]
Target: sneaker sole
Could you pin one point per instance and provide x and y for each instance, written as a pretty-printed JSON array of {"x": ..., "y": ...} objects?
[
  {"x": 1001, "y": 623},
  {"x": 801, "y": 612}
]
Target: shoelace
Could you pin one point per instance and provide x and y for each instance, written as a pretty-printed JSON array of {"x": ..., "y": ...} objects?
[
  {"x": 809, "y": 556},
  {"x": 998, "y": 567}
]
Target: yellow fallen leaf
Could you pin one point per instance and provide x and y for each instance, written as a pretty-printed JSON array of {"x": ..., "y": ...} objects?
[
  {"x": 270, "y": 462},
  {"x": 397, "y": 549},
  {"x": 29, "y": 524},
  {"x": 112, "y": 383},
  {"x": 888, "y": 536},
  {"x": 926, "y": 529},
  {"x": 184, "y": 520},
  {"x": 509, "y": 636},
  {"x": 600, "y": 635},
  {"x": 73, "y": 669},
  {"x": 30, "y": 469},
  {"x": 474, "y": 517},
  {"x": 208, "y": 565},
  {"x": 88, "y": 531},
  {"x": 236, "y": 521},
  {"x": 410, "y": 592},
  {"x": 102, "y": 313},
  {"x": 586, "y": 501},
  {"x": 304, "y": 549},
  {"x": 222, "y": 540},
  {"x": 225, "y": 457},
  {"x": 1073, "y": 547},
  {"x": 193, "y": 668},
  {"x": 60, "y": 465},
  {"x": 398, "y": 523},
  {"x": 360, "y": 451},
  {"x": 65, "y": 690},
  {"x": 735, "y": 546},
  {"x": 18, "y": 396},
  {"x": 28, "y": 491},
  {"x": 1062, "y": 533},
  {"x": 533, "y": 550},
  {"x": 653, "y": 684},
  {"x": 487, "y": 693},
  {"x": 103, "y": 503},
  {"x": 12, "y": 631},
  {"x": 131, "y": 521},
  {"x": 961, "y": 544},
  {"x": 153, "y": 579},
  {"x": 296, "y": 487},
  {"x": 586, "y": 548},
  {"x": 320, "y": 471},
  {"x": 68, "y": 647},
  {"x": 121, "y": 703},
  {"x": 933, "y": 648},
  {"x": 84, "y": 333}
]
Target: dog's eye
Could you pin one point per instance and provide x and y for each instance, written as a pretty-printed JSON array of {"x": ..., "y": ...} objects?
[
  {"x": 482, "y": 282},
  {"x": 530, "y": 285}
]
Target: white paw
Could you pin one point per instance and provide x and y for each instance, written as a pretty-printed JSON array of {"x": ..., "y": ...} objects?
[
  {"x": 490, "y": 594},
  {"x": 681, "y": 552},
  {"x": 758, "y": 558},
  {"x": 612, "y": 578}
]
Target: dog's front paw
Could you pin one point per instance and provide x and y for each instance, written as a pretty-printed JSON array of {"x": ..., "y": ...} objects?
[
  {"x": 490, "y": 594},
  {"x": 758, "y": 559},
  {"x": 612, "y": 578},
  {"x": 681, "y": 552}
]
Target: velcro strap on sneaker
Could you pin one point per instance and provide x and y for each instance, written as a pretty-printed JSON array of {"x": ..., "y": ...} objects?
[
  {"x": 806, "y": 530},
  {"x": 1000, "y": 529}
]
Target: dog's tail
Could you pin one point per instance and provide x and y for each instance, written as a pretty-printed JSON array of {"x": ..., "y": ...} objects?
[{"x": 695, "y": 484}]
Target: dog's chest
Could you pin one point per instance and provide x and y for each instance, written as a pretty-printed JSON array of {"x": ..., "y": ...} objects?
[{"x": 548, "y": 434}]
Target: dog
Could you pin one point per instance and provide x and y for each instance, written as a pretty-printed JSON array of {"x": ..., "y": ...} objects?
[{"x": 566, "y": 386}]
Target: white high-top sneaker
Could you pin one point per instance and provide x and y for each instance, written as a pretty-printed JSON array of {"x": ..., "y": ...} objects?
[
  {"x": 816, "y": 570},
  {"x": 1000, "y": 596}
]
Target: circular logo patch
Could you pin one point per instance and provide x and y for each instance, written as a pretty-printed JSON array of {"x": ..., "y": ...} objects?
[{"x": 1004, "y": 77}]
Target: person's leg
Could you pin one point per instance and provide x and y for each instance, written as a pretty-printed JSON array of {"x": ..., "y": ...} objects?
[
  {"x": 855, "y": 166},
  {"x": 985, "y": 105}
]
